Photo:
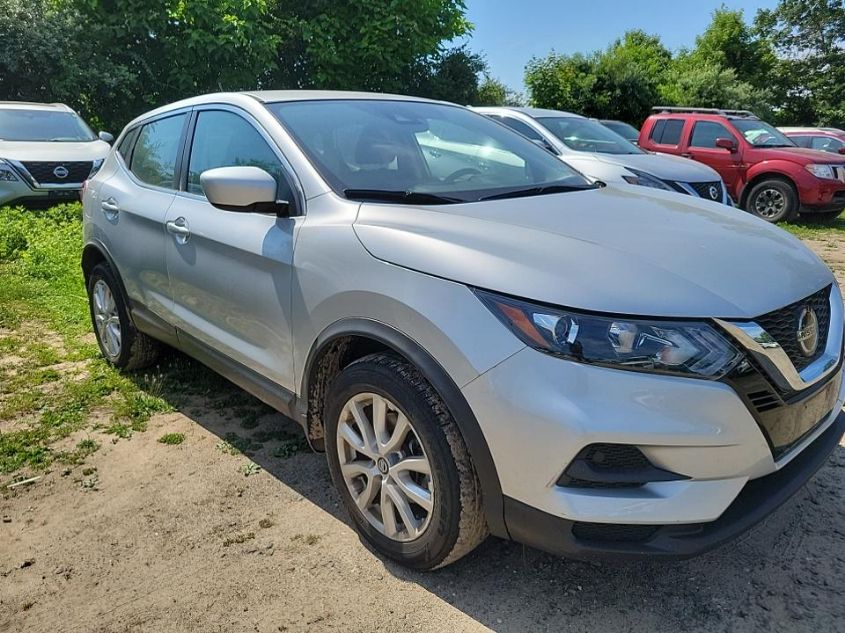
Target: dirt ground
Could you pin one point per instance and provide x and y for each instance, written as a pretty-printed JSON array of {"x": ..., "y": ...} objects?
[{"x": 191, "y": 537}]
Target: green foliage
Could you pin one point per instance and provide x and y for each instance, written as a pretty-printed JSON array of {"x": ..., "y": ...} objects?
[
  {"x": 729, "y": 43},
  {"x": 708, "y": 85},
  {"x": 809, "y": 77},
  {"x": 492, "y": 92},
  {"x": 172, "y": 439}
]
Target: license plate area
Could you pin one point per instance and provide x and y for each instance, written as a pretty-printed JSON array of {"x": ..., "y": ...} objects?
[{"x": 789, "y": 424}]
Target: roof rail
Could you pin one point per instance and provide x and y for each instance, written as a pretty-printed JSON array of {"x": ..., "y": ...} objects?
[{"x": 721, "y": 111}]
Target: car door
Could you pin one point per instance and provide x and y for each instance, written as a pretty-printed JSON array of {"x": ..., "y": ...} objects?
[
  {"x": 230, "y": 272},
  {"x": 702, "y": 147},
  {"x": 134, "y": 203}
]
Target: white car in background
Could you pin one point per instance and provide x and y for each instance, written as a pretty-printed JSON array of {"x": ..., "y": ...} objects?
[
  {"x": 46, "y": 152},
  {"x": 602, "y": 154}
]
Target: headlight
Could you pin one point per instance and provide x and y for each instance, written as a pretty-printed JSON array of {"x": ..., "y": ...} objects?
[
  {"x": 7, "y": 174},
  {"x": 95, "y": 166},
  {"x": 690, "y": 348},
  {"x": 646, "y": 180},
  {"x": 821, "y": 171}
]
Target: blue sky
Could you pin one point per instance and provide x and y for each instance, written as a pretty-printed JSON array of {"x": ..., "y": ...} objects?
[{"x": 510, "y": 32}]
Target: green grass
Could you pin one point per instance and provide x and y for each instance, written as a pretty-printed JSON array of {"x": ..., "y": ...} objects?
[
  {"x": 172, "y": 439},
  {"x": 833, "y": 228}
]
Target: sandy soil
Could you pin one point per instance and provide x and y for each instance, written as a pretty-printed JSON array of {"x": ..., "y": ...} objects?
[{"x": 151, "y": 537}]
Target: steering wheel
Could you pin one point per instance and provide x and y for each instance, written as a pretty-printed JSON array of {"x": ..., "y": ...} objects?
[{"x": 466, "y": 173}]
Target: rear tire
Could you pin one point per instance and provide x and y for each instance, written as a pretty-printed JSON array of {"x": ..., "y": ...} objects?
[
  {"x": 449, "y": 521},
  {"x": 120, "y": 342},
  {"x": 773, "y": 200}
]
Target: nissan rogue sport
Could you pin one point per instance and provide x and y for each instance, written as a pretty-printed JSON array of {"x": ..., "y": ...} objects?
[{"x": 479, "y": 339}]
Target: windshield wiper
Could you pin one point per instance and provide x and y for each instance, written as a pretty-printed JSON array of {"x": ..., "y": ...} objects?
[
  {"x": 408, "y": 197},
  {"x": 540, "y": 191}
]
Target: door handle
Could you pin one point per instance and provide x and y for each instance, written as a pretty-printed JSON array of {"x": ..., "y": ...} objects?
[
  {"x": 179, "y": 228},
  {"x": 110, "y": 208},
  {"x": 686, "y": 155}
]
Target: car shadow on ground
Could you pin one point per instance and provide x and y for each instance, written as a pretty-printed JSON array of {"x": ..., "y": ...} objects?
[{"x": 772, "y": 578}]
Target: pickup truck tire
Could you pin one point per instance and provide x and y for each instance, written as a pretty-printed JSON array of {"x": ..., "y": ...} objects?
[
  {"x": 773, "y": 200},
  {"x": 380, "y": 414},
  {"x": 120, "y": 342}
]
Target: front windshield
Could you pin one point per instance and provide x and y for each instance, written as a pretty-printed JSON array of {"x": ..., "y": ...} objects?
[
  {"x": 761, "y": 134},
  {"x": 586, "y": 135},
  {"x": 42, "y": 125},
  {"x": 419, "y": 149}
]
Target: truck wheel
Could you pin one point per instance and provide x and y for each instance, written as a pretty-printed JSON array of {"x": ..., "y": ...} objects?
[
  {"x": 120, "y": 343},
  {"x": 400, "y": 464},
  {"x": 773, "y": 200}
]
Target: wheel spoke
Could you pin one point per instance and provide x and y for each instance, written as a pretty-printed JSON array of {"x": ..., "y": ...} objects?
[
  {"x": 415, "y": 464},
  {"x": 380, "y": 422},
  {"x": 400, "y": 502},
  {"x": 364, "y": 427},
  {"x": 388, "y": 515},
  {"x": 400, "y": 432},
  {"x": 414, "y": 492},
  {"x": 373, "y": 486},
  {"x": 351, "y": 437}
]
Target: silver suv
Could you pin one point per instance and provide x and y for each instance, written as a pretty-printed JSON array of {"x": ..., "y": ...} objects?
[
  {"x": 46, "y": 152},
  {"x": 478, "y": 338},
  {"x": 601, "y": 153}
]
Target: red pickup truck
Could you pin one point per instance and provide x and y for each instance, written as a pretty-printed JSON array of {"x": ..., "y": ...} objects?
[{"x": 766, "y": 173}]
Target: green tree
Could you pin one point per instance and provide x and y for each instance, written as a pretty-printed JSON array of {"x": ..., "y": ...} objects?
[
  {"x": 809, "y": 78},
  {"x": 492, "y": 92},
  {"x": 709, "y": 85},
  {"x": 363, "y": 44},
  {"x": 621, "y": 82},
  {"x": 450, "y": 76},
  {"x": 562, "y": 82},
  {"x": 730, "y": 43}
]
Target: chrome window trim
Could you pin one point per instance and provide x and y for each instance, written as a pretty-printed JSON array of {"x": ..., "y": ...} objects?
[{"x": 773, "y": 358}]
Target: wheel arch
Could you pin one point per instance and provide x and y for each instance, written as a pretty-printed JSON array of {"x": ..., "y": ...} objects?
[
  {"x": 94, "y": 253},
  {"x": 349, "y": 339},
  {"x": 768, "y": 173}
]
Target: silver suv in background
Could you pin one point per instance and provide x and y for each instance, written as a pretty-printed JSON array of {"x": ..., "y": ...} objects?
[
  {"x": 46, "y": 152},
  {"x": 481, "y": 340},
  {"x": 602, "y": 154}
]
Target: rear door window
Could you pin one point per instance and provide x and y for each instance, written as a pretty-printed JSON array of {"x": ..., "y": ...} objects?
[
  {"x": 667, "y": 131},
  {"x": 156, "y": 151}
]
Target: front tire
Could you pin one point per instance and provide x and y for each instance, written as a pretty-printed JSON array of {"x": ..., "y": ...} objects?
[
  {"x": 400, "y": 464},
  {"x": 120, "y": 342},
  {"x": 773, "y": 200}
]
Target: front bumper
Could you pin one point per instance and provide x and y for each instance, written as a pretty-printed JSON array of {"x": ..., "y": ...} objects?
[
  {"x": 19, "y": 192},
  {"x": 538, "y": 412},
  {"x": 758, "y": 498}
]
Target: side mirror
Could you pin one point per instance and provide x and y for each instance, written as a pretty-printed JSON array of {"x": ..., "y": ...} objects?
[
  {"x": 545, "y": 145},
  {"x": 726, "y": 143},
  {"x": 243, "y": 189},
  {"x": 105, "y": 136},
  {"x": 841, "y": 150}
]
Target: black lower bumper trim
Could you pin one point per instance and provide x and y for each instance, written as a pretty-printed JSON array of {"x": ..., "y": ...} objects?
[{"x": 759, "y": 498}]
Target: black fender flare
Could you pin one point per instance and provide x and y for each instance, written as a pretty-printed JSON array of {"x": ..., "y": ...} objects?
[{"x": 438, "y": 378}]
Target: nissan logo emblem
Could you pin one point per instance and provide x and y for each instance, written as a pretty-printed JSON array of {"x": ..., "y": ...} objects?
[
  {"x": 808, "y": 331},
  {"x": 60, "y": 172},
  {"x": 714, "y": 192}
]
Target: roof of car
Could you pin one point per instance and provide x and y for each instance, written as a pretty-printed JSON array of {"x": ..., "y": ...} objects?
[
  {"x": 274, "y": 96},
  {"x": 536, "y": 113},
  {"x": 31, "y": 105},
  {"x": 811, "y": 130}
]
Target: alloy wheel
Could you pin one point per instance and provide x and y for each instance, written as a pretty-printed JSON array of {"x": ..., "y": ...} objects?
[
  {"x": 106, "y": 318},
  {"x": 384, "y": 466},
  {"x": 769, "y": 203}
]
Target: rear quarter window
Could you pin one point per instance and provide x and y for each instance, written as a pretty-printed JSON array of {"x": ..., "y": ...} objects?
[{"x": 667, "y": 131}]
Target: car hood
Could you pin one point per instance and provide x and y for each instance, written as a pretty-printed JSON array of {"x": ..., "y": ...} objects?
[
  {"x": 615, "y": 249},
  {"x": 664, "y": 166},
  {"x": 58, "y": 151},
  {"x": 800, "y": 155}
]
